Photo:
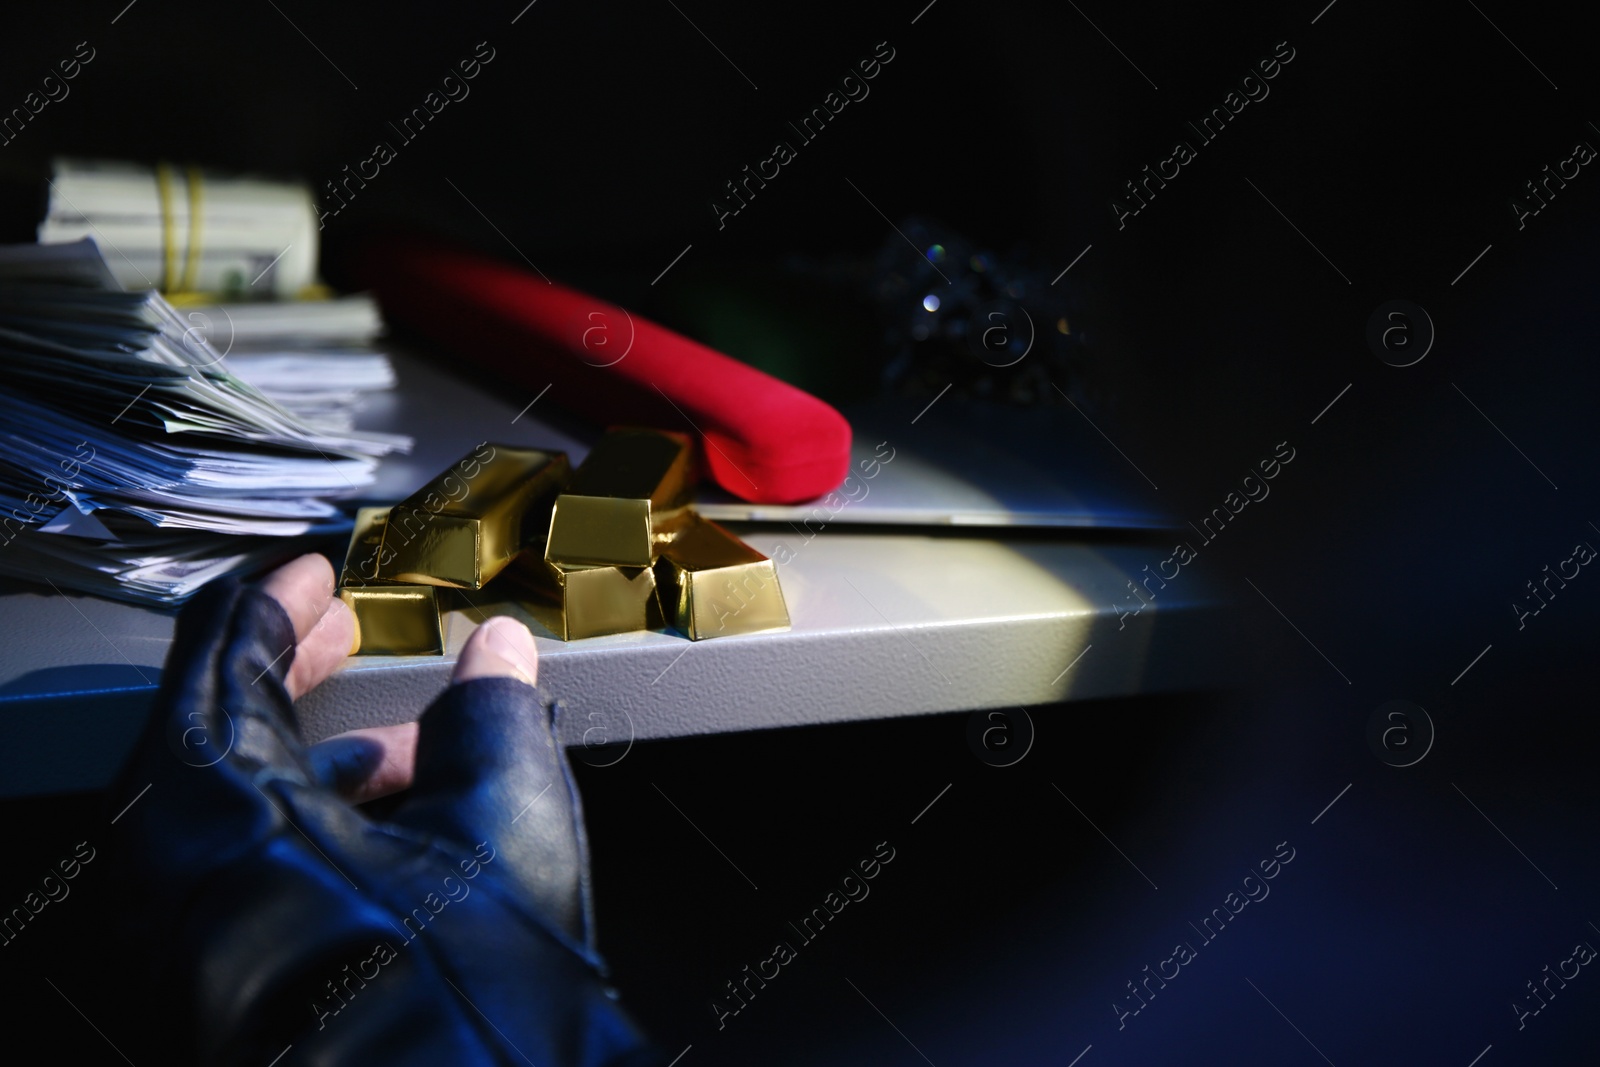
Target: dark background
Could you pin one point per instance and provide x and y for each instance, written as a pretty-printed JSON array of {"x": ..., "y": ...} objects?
[{"x": 1409, "y": 522}]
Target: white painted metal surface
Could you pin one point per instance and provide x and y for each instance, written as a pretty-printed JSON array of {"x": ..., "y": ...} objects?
[{"x": 885, "y": 624}]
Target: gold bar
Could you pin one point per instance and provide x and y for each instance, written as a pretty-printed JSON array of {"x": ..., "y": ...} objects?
[
  {"x": 631, "y": 480},
  {"x": 713, "y": 584},
  {"x": 392, "y": 618},
  {"x": 604, "y": 600},
  {"x": 462, "y": 528}
]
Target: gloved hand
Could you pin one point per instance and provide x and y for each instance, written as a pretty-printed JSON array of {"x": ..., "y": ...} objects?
[{"x": 280, "y": 925}]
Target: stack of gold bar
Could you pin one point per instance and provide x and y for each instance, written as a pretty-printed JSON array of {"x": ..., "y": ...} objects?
[{"x": 613, "y": 546}]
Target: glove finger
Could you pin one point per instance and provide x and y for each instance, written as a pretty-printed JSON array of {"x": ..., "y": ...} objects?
[
  {"x": 489, "y": 774},
  {"x": 363, "y": 765},
  {"x": 188, "y": 804},
  {"x": 228, "y": 673},
  {"x": 223, "y": 700},
  {"x": 223, "y": 724}
]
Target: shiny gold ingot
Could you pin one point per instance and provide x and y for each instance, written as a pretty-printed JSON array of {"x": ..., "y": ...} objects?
[
  {"x": 712, "y": 584},
  {"x": 631, "y": 480},
  {"x": 392, "y": 618},
  {"x": 605, "y": 600},
  {"x": 462, "y": 528}
]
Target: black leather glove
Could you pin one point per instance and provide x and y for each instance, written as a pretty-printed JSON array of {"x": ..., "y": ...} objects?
[{"x": 277, "y": 924}]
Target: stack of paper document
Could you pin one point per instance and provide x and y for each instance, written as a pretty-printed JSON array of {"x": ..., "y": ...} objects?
[
  {"x": 314, "y": 357},
  {"x": 134, "y": 461}
]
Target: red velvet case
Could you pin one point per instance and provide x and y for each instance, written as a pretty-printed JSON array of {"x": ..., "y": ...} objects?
[{"x": 764, "y": 440}]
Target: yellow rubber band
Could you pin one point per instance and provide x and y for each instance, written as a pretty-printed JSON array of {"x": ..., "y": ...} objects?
[
  {"x": 168, "y": 253},
  {"x": 191, "y": 259}
]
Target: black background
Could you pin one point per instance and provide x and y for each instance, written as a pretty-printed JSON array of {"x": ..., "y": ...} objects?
[{"x": 596, "y": 141}]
